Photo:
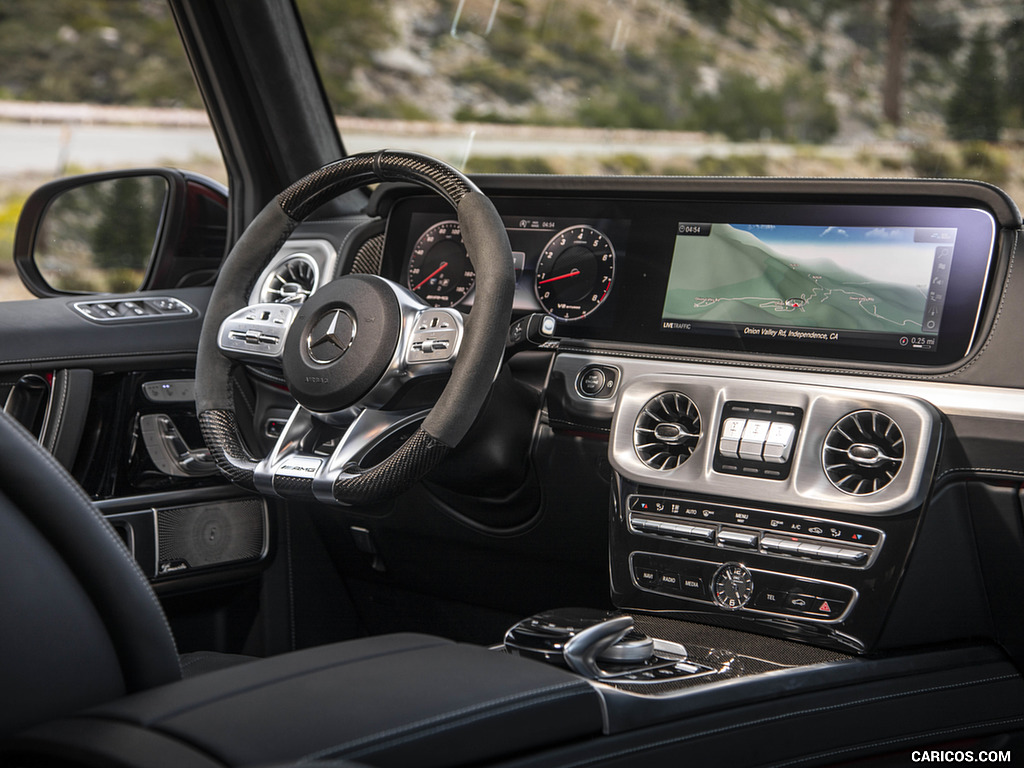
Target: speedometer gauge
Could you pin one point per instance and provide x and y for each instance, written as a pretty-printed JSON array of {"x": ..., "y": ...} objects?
[
  {"x": 440, "y": 272},
  {"x": 574, "y": 274}
]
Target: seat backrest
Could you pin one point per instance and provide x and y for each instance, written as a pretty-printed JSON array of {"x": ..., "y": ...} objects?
[{"x": 79, "y": 623}]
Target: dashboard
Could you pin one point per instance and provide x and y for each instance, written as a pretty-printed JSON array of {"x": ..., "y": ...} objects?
[{"x": 778, "y": 372}]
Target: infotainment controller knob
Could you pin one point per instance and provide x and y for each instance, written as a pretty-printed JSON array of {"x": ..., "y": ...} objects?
[{"x": 581, "y": 639}]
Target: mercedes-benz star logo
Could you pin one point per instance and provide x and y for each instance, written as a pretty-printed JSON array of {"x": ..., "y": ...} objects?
[{"x": 331, "y": 336}]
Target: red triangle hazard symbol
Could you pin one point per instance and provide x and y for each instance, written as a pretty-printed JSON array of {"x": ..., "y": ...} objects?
[{"x": 825, "y": 608}]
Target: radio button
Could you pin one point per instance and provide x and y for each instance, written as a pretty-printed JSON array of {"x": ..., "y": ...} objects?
[
  {"x": 669, "y": 582},
  {"x": 732, "y": 433}
]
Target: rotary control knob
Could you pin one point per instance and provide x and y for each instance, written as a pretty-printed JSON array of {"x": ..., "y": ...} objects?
[{"x": 732, "y": 586}]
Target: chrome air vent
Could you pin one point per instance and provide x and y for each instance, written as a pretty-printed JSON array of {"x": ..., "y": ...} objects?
[
  {"x": 863, "y": 452},
  {"x": 666, "y": 431},
  {"x": 291, "y": 281}
]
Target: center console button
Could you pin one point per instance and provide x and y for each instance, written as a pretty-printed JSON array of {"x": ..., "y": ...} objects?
[
  {"x": 738, "y": 539},
  {"x": 752, "y": 441},
  {"x": 691, "y": 586},
  {"x": 701, "y": 533},
  {"x": 854, "y": 556},
  {"x": 808, "y": 550},
  {"x": 669, "y": 582},
  {"x": 812, "y": 605},
  {"x": 778, "y": 443},
  {"x": 647, "y": 577},
  {"x": 771, "y": 600},
  {"x": 729, "y": 442}
]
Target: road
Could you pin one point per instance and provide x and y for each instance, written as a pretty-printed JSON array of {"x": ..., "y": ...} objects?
[{"x": 50, "y": 148}]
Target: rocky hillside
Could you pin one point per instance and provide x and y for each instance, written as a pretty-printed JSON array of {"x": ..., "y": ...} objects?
[{"x": 795, "y": 70}]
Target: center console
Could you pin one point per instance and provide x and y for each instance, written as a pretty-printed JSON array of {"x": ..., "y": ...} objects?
[{"x": 776, "y": 507}]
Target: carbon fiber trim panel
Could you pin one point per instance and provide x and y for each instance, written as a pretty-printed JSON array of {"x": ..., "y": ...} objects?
[
  {"x": 293, "y": 487},
  {"x": 220, "y": 431},
  {"x": 368, "y": 258},
  {"x": 417, "y": 456},
  {"x": 312, "y": 191}
]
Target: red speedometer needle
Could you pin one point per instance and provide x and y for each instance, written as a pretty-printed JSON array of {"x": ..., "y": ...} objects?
[
  {"x": 573, "y": 273},
  {"x": 421, "y": 282}
]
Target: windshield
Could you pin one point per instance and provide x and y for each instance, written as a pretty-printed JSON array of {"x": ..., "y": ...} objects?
[{"x": 682, "y": 87}]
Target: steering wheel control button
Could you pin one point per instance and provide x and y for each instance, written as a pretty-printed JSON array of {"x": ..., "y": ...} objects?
[
  {"x": 436, "y": 336},
  {"x": 331, "y": 336},
  {"x": 256, "y": 331}
]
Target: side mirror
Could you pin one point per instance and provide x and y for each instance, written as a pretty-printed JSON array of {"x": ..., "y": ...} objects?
[{"x": 120, "y": 232}]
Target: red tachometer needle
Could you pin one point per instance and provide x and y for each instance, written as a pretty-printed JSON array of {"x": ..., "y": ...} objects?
[
  {"x": 421, "y": 282},
  {"x": 573, "y": 273}
]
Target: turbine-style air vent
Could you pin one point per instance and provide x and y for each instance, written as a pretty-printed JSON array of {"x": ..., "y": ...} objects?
[
  {"x": 863, "y": 452},
  {"x": 291, "y": 281},
  {"x": 667, "y": 430}
]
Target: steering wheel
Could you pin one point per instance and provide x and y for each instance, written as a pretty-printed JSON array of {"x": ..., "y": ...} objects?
[{"x": 353, "y": 350}]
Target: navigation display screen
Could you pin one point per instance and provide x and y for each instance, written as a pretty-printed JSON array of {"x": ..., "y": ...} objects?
[{"x": 817, "y": 283}]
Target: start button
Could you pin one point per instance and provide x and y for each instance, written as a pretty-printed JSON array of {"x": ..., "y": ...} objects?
[{"x": 597, "y": 381}]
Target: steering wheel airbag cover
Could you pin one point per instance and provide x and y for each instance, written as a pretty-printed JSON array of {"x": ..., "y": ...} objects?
[{"x": 332, "y": 359}]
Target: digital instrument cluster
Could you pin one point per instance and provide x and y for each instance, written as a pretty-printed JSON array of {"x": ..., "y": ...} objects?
[
  {"x": 899, "y": 284},
  {"x": 567, "y": 264}
]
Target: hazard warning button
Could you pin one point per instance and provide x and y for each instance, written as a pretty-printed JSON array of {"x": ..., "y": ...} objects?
[{"x": 812, "y": 605}]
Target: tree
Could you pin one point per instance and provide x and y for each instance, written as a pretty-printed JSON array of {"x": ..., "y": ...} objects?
[
  {"x": 892, "y": 91},
  {"x": 975, "y": 110}
]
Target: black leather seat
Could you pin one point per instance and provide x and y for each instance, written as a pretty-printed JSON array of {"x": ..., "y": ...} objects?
[{"x": 92, "y": 677}]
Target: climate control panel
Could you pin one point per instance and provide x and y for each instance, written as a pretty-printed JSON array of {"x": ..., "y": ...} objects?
[{"x": 777, "y": 534}]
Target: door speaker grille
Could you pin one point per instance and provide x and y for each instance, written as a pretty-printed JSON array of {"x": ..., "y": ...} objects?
[
  {"x": 667, "y": 431},
  {"x": 863, "y": 452},
  {"x": 209, "y": 534}
]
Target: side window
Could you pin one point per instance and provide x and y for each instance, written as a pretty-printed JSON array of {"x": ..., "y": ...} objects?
[{"x": 92, "y": 87}]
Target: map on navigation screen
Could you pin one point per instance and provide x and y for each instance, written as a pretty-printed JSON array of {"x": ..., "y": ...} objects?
[{"x": 876, "y": 279}]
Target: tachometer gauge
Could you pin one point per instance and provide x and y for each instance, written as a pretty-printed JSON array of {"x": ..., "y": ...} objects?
[
  {"x": 440, "y": 272},
  {"x": 574, "y": 274}
]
